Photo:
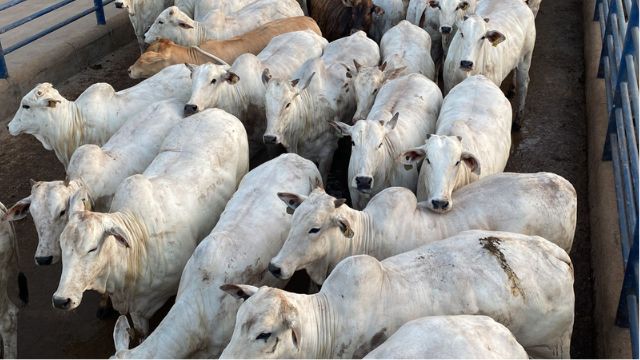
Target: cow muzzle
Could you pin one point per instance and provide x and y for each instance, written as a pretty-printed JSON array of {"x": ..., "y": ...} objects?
[
  {"x": 275, "y": 270},
  {"x": 466, "y": 65},
  {"x": 445, "y": 29},
  {"x": 190, "y": 109},
  {"x": 119, "y": 5},
  {"x": 364, "y": 184},
  {"x": 44, "y": 260},
  {"x": 440, "y": 205},
  {"x": 270, "y": 139},
  {"x": 61, "y": 303}
]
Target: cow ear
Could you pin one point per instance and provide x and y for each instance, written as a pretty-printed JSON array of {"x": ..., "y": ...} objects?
[
  {"x": 184, "y": 25},
  {"x": 412, "y": 157},
  {"x": 122, "y": 333},
  {"x": 357, "y": 65},
  {"x": 266, "y": 76},
  {"x": 231, "y": 77},
  {"x": 294, "y": 325},
  {"x": 391, "y": 74},
  {"x": 377, "y": 10},
  {"x": 18, "y": 211},
  {"x": 292, "y": 200},
  {"x": 239, "y": 291},
  {"x": 339, "y": 202},
  {"x": 494, "y": 37},
  {"x": 383, "y": 66},
  {"x": 341, "y": 128},
  {"x": 191, "y": 67},
  {"x": 80, "y": 201},
  {"x": 463, "y": 6},
  {"x": 345, "y": 227},
  {"x": 306, "y": 84},
  {"x": 391, "y": 124},
  {"x": 471, "y": 161}
]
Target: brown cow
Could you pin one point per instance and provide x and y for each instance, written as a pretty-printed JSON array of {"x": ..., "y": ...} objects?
[
  {"x": 163, "y": 53},
  {"x": 339, "y": 18}
]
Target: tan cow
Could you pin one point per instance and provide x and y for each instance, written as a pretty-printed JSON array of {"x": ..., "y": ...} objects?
[{"x": 163, "y": 53}]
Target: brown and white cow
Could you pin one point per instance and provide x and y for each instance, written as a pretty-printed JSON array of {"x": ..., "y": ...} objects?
[{"x": 340, "y": 18}]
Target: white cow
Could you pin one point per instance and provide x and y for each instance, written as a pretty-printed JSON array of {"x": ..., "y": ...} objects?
[
  {"x": 496, "y": 40},
  {"x": 200, "y": 323},
  {"x": 200, "y": 9},
  {"x": 298, "y": 111},
  {"x": 424, "y": 16},
  {"x": 394, "y": 11},
  {"x": 8, "y": 269},
  {"x": 449, "y": 13},
  {"x": 136, "y": 253},
  {"x": 404, "y": 50},
  {"x": 542, "y": 204},
  {"x": 62, "y": 125},
  {"x": 176, "y": 26},
  {"x": 98, "y": 171},
  {"x": 534, "y": 5},
  {"x": 450, "y": 337},
  {"x": 473, "y": 139},
  {"x": 142, "y": 14},
  {"x": 523, "y": 282},
  {"x": 378, "y": 142},
  {"x": 240, "y": 88}
]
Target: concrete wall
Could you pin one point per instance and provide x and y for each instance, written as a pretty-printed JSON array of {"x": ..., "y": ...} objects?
[
  {"x": 59, "y": 55},
  {"x": 606, "y": 254}
]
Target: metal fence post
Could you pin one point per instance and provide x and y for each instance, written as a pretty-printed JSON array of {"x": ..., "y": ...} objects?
[
  {"x": 3, "y": 65},
  {"x": 99, "y": 12}
]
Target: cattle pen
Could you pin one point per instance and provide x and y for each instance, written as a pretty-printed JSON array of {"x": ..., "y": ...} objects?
[{"x": 556, "y": 136}]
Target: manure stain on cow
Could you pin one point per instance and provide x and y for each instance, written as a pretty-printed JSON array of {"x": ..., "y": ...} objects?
[
  {"x": 377, "y": 339},
  {"x": 491, "y": 244}
]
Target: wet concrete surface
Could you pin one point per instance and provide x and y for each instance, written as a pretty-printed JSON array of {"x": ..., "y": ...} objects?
[{"x": 553, "y": 138}]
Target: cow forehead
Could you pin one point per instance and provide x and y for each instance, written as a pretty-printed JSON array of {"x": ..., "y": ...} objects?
[
  {"x": 207, "y": 71},
  {"x": 364, "y": 130},
  {"x": 267, "y": 307},
  {"x": 473, "y": 23},
  {"x": 437, "y": 144},
  {"x": 49, "y": 194}
]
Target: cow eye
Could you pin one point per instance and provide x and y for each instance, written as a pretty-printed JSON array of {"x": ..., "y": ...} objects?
[
  {"x": 26, "y": 106},
  {"x": 428, "y": 162},
  {"x": 263, "y": 336},
  {"x": 461, "y": 34},
  {"x": 287, "y": 106},
  {"x": 375, "y": 91},
  {"x": 92, "y": 250},
  {"x": 314, "y": 230},
  {"x": 458, "y": 163},
  {"x": 379, "y": 146},
  {"x": 214, "y": 81},
  {"x": 63, "y": 212},
  {"x": 160, "y": 22},
  {"x": 353, "y": 143}
]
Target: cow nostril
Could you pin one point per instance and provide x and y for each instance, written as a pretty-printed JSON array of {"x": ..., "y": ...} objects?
[
  {"x": 440, "y": 204},
  {"x": 270, "y": 139},
  {"x": 275, "y": 271},
  {"x": 445, "y": 29},
  {"x": 61, "y": 303},
  {"x": 44, "y": 260},
  {"x": 190, "y": 109},
  {"x": 467, "y": 65}
]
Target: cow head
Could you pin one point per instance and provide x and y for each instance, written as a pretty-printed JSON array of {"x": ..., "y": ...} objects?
[
  {"x": 39, "y": 108},
  {"x": 472, "y": 39},
  {"x": 209, "y": 82},
  {"x": 362, "y": 12},
  {"x": 369, "y": 151},
  {"x": 89, "y": 243},
  {"x": 48, "y": 205},
  {"x": 367, "y": 82},
  {"x": 174, "y": 25},
  {"x": 268, "y": 324},
  {"x": 157, "y": 56},
  {"x": 450, "y": 12},
  {"x": 318, "y": 227},
  {"x": 442, "y": 158},
  {"x": 126, "y": 4},
  {"x": 283, "y": 108}
]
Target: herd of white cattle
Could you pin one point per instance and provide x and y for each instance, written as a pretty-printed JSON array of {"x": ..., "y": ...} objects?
[{"x": 441, "y": 255}]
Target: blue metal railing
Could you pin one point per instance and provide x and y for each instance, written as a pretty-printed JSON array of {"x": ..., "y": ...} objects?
[
  {"x": 619, "y": 68},
  {"x": 98, "y": 8}
]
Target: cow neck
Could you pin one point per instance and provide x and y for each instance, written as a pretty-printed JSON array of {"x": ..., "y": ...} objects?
[
  {"x": 318, "y": 326},
  {"x": 71, "y": 133},
  {"x": 238, "y": 103},
  {"x": 128, "y": 262},
  {"x": 361, "y": 242},
  {"x": 201, "y": 32},
  {"x": 314, "y": 124},
  {"x": 388, "y": 161}
]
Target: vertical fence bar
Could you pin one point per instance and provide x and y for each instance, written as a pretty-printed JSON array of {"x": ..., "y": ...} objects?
[
  {"x": 99, "y": 12},
  {"x": 3, "y": 64}
]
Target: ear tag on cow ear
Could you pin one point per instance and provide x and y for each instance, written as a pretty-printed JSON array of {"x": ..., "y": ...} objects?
[
  {"x": 290, "y": 211},
  {"x": 408, "y": 167},
  {"x": 348, "y": 232},
  {"x": 52, "y": 103}
]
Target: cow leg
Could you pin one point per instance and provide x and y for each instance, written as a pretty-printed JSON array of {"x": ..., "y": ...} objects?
[
  {"x": 9, "y": 332},
  {"x": 522, "y": 74},
  {"x": 511, "y": 92}
]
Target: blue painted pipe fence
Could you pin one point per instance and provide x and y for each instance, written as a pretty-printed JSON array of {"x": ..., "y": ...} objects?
[
  {"x": 619, "y": 68},
  {"x": 98, "y": 8}
]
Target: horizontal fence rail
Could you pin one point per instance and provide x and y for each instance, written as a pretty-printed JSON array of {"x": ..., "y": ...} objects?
[
  {"x": 619, "y": 67},
  {"x": 98, "y": 8}
]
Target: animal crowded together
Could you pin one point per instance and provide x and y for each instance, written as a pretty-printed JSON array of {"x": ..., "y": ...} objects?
[{"x": 437, "y": 254}]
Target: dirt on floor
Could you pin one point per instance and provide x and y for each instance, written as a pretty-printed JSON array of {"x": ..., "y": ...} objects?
[{"x": 552, "y": 138}]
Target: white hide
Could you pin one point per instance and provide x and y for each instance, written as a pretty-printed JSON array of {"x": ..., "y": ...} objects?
[
  {"x": 8, "y": 269},
  {"x": 98, "y": 171},
  {"x": 377, "y": 142},
  {"x": 499, "y": 38},
  {"x": 240, "y": 89},
  {"x": 449, "y": 13},
  {"x": 137, "y": 251},
  {"x": 534, "y": 5},
  {"x": 424, "y": 16},
  {"x": 142, "y": 14},
  {"x": 523, "y": 282},
  {"x": 542, "y": 204},
  {"x": 200, "y": 9},
  {"x": 450, "y": 337},
  {"x": 394, "y": 12},
  {"x": 473, "y": 141},
  {"x": 62, "y": 125},
  {"x": 176, "y": 26},
  {"x": 299, "y": 111},
  {"x": 200, "y": 323}
]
